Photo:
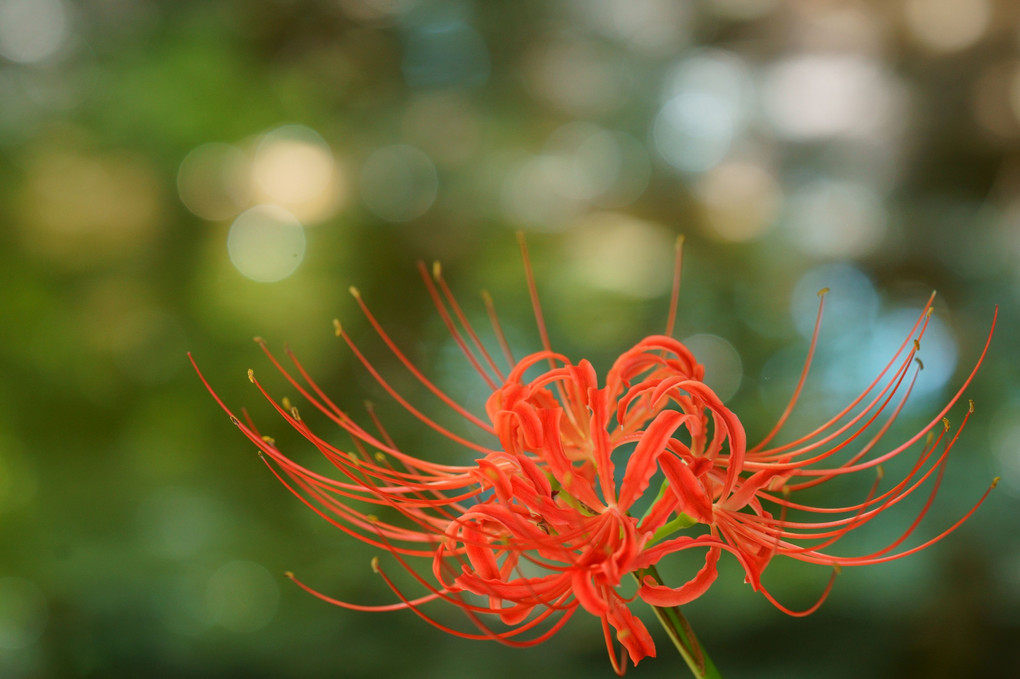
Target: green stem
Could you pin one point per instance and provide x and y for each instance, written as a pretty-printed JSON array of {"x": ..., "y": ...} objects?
[{"x": 681, "y": 634}]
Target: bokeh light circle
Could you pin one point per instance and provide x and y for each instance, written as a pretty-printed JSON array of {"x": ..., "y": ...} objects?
[
  {"x": 242, "y": 596},
  {"x": 724, "y": 370},
  {"x": 948, "y": 25},
  {"x": 213, "y": 181},
  {"x": 266, "y": 243},
  {"x": 830, "y": 218},
  {"x": 740, "y": 200},
  {"x": 399, "y": 183},
  {"x": 621, "y": 253},
  {"x": 851, "y": 303},
  {"x": 293, "y": 165},
  {"x": 32, "y": 30},
  {"x": 707, "y": 102}
]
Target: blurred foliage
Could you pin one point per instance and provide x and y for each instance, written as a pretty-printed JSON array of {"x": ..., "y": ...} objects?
[{"x": 867, "y": 146}]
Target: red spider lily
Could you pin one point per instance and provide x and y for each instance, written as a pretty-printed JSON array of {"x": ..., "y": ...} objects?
[{"x": 542, "y": 522}]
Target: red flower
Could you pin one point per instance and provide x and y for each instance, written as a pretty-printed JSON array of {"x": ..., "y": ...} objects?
[{"x": 542, "y": 522}]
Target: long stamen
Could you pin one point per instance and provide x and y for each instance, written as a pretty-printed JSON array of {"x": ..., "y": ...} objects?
[
  {"x": 437, "y": 274},
  {"x": 490, "y": 309},
  {"x": 674, "y": 295},
  {"x": 800, "y": 381},
  {"x": 536, "y": 307},
  {"x": 460, "y": 410}
]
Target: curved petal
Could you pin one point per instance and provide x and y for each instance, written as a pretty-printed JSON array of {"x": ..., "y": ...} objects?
[
  {"x": 641, "y": 465},
  {"x": 660, "y": 595}
]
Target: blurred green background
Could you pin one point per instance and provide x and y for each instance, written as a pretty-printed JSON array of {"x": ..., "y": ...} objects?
[{"x": 184, "y": 175}]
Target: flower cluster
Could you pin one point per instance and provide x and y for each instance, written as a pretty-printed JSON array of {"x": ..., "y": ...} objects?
[{"x": 586, "y": 484}]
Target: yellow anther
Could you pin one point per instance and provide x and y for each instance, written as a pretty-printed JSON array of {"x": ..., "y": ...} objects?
[
  {"x": 836, "y": 567},
  {"x": 285, "y": 402},
  {"x": 486, "y": 297},
  {"x": 251, "y": 375},
  {"x": 339, "y": 329},
  {"x": 823, "y": 291},
  {"x": 971, "y": 402},
  {"x": 372, "y": 518},
  {"x": 437, "y": 269},
  {"x": 354, "y": 292},
  {"x": 258, "y": 340},
  {"x": 375, "y": 564},
  {"x": 881, "y": 472},
  {"x": 945, "y": 423},
  {"x": 288, "y": 574},
  {"x": 680, "y": 241},
  {"x": 930, "y": 310},
  {"x": 270, "y": 440},
  {"x": 995, "y": 481},
  {"x": 379, "y": 457},
  {"x": 294, "y": 413}
]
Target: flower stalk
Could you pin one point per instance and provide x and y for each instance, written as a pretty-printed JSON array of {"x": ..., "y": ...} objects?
[{"x": 681, "y": 634}]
